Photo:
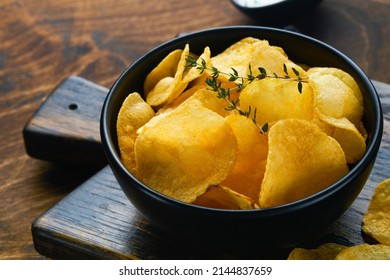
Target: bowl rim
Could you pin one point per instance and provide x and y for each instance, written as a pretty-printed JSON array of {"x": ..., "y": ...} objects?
[{"x": 368, "y": 157}]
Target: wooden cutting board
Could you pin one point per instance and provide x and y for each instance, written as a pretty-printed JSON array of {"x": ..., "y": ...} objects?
[{"x": 97, "y": 221}]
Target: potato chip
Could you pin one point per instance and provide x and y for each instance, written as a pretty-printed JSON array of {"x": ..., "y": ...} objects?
[
  {"x": 365, "y": 252},
  {"x": 334, "y": 98},
  {"x": 185, "y": 151},
  {"x": 347, "y": 79},
  {"x": 254, "y": 52},
  {"x": 276, "y": 99},
  {"x": 133, "y": 114},
  {"x": 224, "y": 198},
  {"x": 162, "y": 85},
  {"x": 302, "y": 160},
  {"x": 324, "y": 126},
  {"x": 249, "y": 168},
  {"x": 205, "y": 97},
  {"x": 327, "y": 251},
  {"x": 166, "y": 68},
  {"x": 376, "y": 221},
  {"x": 180, "y": 99},
  {"x": 348, "y": 136}
]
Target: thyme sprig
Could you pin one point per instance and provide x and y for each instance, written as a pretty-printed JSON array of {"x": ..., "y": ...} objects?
[{"x": 242, "y": 81}]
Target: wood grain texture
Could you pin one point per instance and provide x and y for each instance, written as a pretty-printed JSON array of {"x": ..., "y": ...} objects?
[
  {"x": 43, "y": 42},
  {"x": 66, "y": 126},
  {"x": 97, "y": 221}
]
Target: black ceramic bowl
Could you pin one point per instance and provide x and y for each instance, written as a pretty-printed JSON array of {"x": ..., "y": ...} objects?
[{"x": 282, "y": 226}]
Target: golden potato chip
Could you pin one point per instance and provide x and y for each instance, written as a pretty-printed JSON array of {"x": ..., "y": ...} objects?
[
  {"x": 349, "y": 138},
  {"x": 376, "y": 221},
  {"x": 133, "y": 114},
  {"x": 334, "y": 98},
  {"x": 249, "y": 168},
  {"x": 291, "y": 66},
  {"x": 216, "y": 197},
  {"x": 362, "y": 130},
  {"x": 244, "y": 202},
  {"x": 180, "y": 99},
  {"x": 185, "y": 151},
  {"x": 302, "y": 160},
  {"x": 224, "y": 198},
  {"x": 276, "y": 99},
  {"x": 166, "y": 68},
  {"x": 161, "y": 88},
  {"x": 347, "y": 79},
  {"x": 202, "y": 96},
  {"x": 324, "y": 126},
  {"x": 254, "y": 52},
  {"x": 365, "y": 252},
  {"x": 327, "y": 251}
]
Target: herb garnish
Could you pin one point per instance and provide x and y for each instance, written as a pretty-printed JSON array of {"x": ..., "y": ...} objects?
[{"x": 224, "y": 93}]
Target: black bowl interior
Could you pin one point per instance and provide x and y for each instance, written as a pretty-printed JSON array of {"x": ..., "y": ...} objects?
[{"x": 303, "y": 215}]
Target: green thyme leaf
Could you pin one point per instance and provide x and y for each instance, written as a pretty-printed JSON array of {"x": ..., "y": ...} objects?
[{"x": 241, "y": 82}]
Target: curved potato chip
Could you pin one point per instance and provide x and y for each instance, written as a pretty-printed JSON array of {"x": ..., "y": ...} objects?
[
  {"x": 302, "y": 160},
  {"x": 202, "y": 96},
  {"x": 133, "y": 114},
  {"x": 362, "y": 130},
  {"x": 184, "y": 152},
  {"x": 346, "y": 78},
  {"x": 324, "y": 126},
  {"x": 334, "y": 98},
  {"x": 164, "y": 88},
  {"x": 166, "y": 68},
  {"x": 348, "y": 136},
  {"x": 291, "y": 66},
  {"x": 327, "y": 251},
  {"x": 276, "y": 99},
  {"x": 180, "y": 99},
  {"x": 224, "y": 198},
  {"x": 249, "y": 168},
  {"x": 209, "y": 100},
  {"x": 254, "y": 52},
  {"x": 365, "y": 252},
  {"x": 376, "y": 221}
]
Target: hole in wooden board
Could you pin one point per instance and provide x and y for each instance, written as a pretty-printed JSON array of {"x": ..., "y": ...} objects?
[{"x": 73, "y": 106}]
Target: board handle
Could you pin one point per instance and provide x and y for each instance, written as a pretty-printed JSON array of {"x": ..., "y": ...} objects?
[{"x": 65, "y": 128}]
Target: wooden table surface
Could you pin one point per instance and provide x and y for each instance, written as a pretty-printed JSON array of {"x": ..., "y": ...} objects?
[{"x": 42, "y": 42}]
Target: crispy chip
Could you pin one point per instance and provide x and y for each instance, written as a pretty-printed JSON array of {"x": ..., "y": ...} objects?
[
  {"x": 347, "y": 79},
  {"x": 133, "y": 114},
  {"x": 348, "y": 136},
  {"x": 254, "y": 52},
  {"x": 327, "y": 251},
  {"x": 224, "y": 198},
  {"x": 186, "y": 151},
  {"x": 334, "y": 98},
  {"x": 302, "y": 160},
  {"x": 248, "y": 171},
  {"x": 163, "y": 86},
  {"x": 180, "y": 99},
  {"x": 376, "y": 221},
  {"x": 275, "y": 99},
  {"x": 166, "y": 68},
  {"x": 365, "y": 252},
  {"x": 206, "y": 98}
]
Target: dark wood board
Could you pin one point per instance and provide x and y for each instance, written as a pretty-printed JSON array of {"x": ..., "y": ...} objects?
[
  {"x": 97, "y": 221},
  {"x": 65, "y": 128}
]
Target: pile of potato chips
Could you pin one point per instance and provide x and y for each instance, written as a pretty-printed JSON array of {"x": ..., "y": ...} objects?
[
  {"x": 376, "y": 225},
  {"x": 181, "y": 141}
]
